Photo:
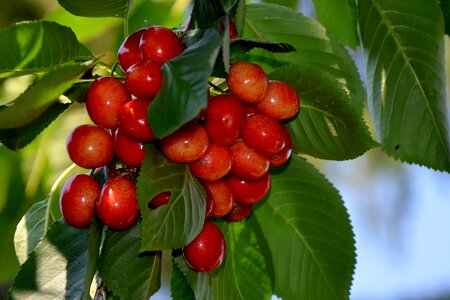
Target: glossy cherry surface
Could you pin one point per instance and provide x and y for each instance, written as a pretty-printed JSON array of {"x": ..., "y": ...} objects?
[
  {"x": 159, "y": 44},
  {"x": 247, "y": 81},
  {"x": 144, "y": 79},
  {"x": 218, "y": 193},
  {"x": 214, "y": 164},
  {"x": 130, "y": 151},
  {"x": 281, "y": 101},
  {"x": 247, "y": 192},
  {"x": 263, "y": 134},
  {"x": 133, "y": 120},
  {"x": 247, "y": 162},
  {"x": 129, "y": 52},
  {"x": 160, "y": 199}
]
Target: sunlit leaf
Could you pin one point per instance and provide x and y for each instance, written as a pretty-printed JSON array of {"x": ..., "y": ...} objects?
[
  {"x": 29, "y": 47},
  {"x": 308, "y": 232},
  {"x": 102, "y": 8},
  {"x": 289, "y": 3},
  {"x": 404, "y": 50},
  {"x": 173, "y": 225},
  {"x": 126, "y": 273}
]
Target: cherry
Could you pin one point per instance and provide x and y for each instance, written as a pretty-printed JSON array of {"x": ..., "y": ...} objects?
[
  {"x": 218, "y": 193},
  {"x": 263, "y": 134},
  {"x": 90, "y": 146},
  {"x": 129, "y": 52},
  {"x": 117, "y": 206},
  {"x": 133, "y": 120},
  {"x": 104, "y": 99},
  {"x": 160, "y": 199},
  {"x": 206, "y": 252},
  {"x": 144, "y": 79},
  {"x": 282, "y": 157},
  {"x": 159, "y": 44},
  {"x": 239, "y": 212},
  {"x": 247, "y": 192},
  {"x": 247, "y": 81},
  {"x": 77, "y": 200},
  {"x": 247, "y": 162},
  {"x": 214, "y": 164},
  {"x": 128, "y": 150},
  {"x": 187, "y": 144},
  {"x": 281, "y": 101},
  {"x": 224, "y": 118},
  {"x": 232, "y": 29}
]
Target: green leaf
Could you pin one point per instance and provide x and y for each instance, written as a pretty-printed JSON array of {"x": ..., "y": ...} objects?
[
  {"x": 30, "y": 230},
  {"x": 445, "y": 7},
  {"x": 199, "y": 281},
  {"x": 340, "y": 18},
  {"x": 206, "y": 12},
  {"x": 179, "y": 287},
  {"x": 56, "y": 267},
  {"x": 30, "y": 47},
  {"x": 308, "y": 231},
  {"x": 173, "y": 225},
  {"x": 312, "y": 44},
  {"x": 126, "y": 273},
  {"x": 327, "y": 127},
  {"x": 102, "y": 8},
  {"x": 17, "y": 138},
  {"x": 404, "y": 50},
  {"x": 94, "y": 245},
  {"x": 41, "y": 95},
  {"x": 289, "y": 3},
  {"x": 185, "y": 82},
  {"x": 243, "y": 274}
]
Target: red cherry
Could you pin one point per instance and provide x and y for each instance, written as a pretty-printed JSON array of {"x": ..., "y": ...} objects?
[
  {"x": 232, "y": 29},
  {"x": 219, "y": 194},
  {"x": 239, "y": 212},
  {"x": 224, "y": 118},
  {"x": 144, "y": 79},
  {"x": 282, "y": 157},
  {"x": 159, "y": 44},
  {"x": 206, "y": 252},
  {"x": 104, "y": 99},
  {"x": 160, "y": 200},
  {"x": 247, "y": 192},
  {"x": 129, "y": 52},
  {"x": 117, "y": 206},
  {"x": 263, "y": 134},
  {"x": 133, "y": 120},
  {"x": 77, "y": 200},
  {"x": 90, "y": 146},
  {"x": 129, "y": 151},
  {"x": 187, "y": 144},
  {"x": 281, "y": 101},
  {"x": 247, "y": 162},
  {"x": 214, "y": 164},
  {"x": 247, "y": 81}
]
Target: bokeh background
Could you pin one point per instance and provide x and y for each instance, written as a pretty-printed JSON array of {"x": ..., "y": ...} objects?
[{"x": 400, "y": 213}]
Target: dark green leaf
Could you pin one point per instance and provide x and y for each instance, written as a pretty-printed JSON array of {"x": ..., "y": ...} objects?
[
  {"x": 243, "y": 274},
  {"x": 179, "y": 287},
  {"x": 94, "y": 244},
  {"x": 445, "y": 7},
  {"x": 17, "y": 138},
  {"x": 126, "y": 273},
  {"x": 30, "y": 47},
  {"x": 312, "y": 44},
  {"x": 308, "y": 231},
  {"x": 404, "y": 50},
  {"x": 185, "y": 82},
  {"x": 199, "y": 281},
  {"x": 340, "y": 18},
  {"x": 206, "y": 12},
  {"x": 44, "y": 92},
  {"x": 101, "y": 8},
  {"x": 289, "y": 3},
  {"x": 327, "y": 126},
  {"x": 30, "y": 230},
  {"x": 177, "y": 223},
  {"x": 56, "y": 267},
  {"x": 240, "y": 47}
]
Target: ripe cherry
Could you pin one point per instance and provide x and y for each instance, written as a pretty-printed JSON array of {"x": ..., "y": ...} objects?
[
  {"x": 187, "y": 144},
  {"x": 131, "y": 152},
  {"x": 281, "y": 101},
  {"x": 117, "y": 206},
  {"x": 144, "y": 79},
  {"x": 90, "y": 146},
  {"x": 263, "y": 134},
  {"x": 247, "y": 162},
  {"x": 214, "y": 164},
  {"x": 133, "y": 120},
  {"x": 247, "y": 192},
  {"x": 104, "y": 99},
  {"x": 247, "y": 81},
  {"x": 239, "y": 212},
  {"x": 77, "y": 200},
  {"x": 129, "y": 52},
  {"x": 219, "y": 194},
  {"x": 280, "y": 158},
  {"x": 224, "y": 118},
  {"x": 206, "y": 252},
  {"x": 160, "y": 199},
  {"x": 159, "y": 44}
]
